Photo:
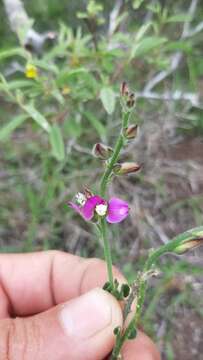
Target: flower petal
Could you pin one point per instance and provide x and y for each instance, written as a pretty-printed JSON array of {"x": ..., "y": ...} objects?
[
  {"x": 87, "y": 210},
  {"x": 117, "y": 210},
  {"x": 74, "y": 206}
]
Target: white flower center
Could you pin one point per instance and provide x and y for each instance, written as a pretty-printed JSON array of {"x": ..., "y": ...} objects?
[
  {"x": 80, "y": 199},
  {"x": 101, "y": 209},
  {"x": 122, "y": 211}
]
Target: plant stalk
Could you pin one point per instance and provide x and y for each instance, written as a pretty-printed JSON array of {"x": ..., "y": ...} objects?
[
  {"x": 114, "y": 158},
  {"x": 107, "y": 250},
  {"x": 170, "y": 247},
  {"x": 103, "y": 186}
]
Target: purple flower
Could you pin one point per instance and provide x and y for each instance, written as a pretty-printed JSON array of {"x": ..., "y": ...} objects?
[{"x": 115, "y": 210}]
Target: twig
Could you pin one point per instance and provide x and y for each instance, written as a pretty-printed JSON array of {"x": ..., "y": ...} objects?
[
  {"x": 170, "y": 96},
  {"x": 113, "y": 17},
  {"x": 21, "y": 24},
  {"x": 196, "y": 30},
  {"x": 157, "y": 228},
  {"x": 176, "y": 58}
]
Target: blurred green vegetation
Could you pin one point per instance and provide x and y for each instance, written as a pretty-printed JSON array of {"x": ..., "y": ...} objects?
[{"x": 50, "y": 123}]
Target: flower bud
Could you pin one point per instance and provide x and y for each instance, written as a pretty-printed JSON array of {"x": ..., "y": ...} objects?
[
  {"x": 130, "y": 100},
  {"x": 124, "y": 90},
  {"x": 189, "y": 244},
  {"x": 127, "y": 97},
  {"x": 87, "y": 192},
  {"x": 102, "y": 151},
  {"x": 130, "y": 132},
  {"x": 126, "y": 168}
]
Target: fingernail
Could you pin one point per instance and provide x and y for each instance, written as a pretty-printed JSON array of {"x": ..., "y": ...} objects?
[{"x": 86, "y": 315}]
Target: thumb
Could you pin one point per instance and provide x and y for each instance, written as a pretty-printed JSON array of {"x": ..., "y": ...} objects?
[{"x": 81, "y": 329}]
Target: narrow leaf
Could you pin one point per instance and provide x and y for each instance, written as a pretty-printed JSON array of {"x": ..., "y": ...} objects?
[
  {"x": 66, "y": 75},
  {"x": 147, "y": 44},
  {"x": 37, "y": 116},
  {"x": 142, "y": 31},
  {"x": 99, "y": 127},
  {"x": 179, "y": 18},
  {"x": 7, "y": 130},
  {"x": 4, "y": 54},
  {"x": 108, "y": 98},
  {"x": 57, "y": 143}
]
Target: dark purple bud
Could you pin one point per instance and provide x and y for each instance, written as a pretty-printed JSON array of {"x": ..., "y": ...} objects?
[
  {"x": 87, "y": 192},
  {"x": 130, "y": 100},
  {"x": 124, "y": 90},
  {"x": 102, "y": 151}
]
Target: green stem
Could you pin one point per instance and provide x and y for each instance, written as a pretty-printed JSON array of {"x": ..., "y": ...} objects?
[
  {"x": 109, "y": 167},
  {"x": 103, "y": 186},
  {"x": 170, "y": 247},
  {"x": 114, "y": 158},
  {"x": 107, "y": 250}
]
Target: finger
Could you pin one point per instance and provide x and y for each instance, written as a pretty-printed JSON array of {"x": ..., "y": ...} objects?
[
  {"x": 81, "y": 329},
  {"x": 142, "y": 348},
  {"x": 31, "y": 283}
]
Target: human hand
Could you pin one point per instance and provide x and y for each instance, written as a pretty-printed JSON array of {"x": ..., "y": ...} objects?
[{"x": 51, "y": 308}]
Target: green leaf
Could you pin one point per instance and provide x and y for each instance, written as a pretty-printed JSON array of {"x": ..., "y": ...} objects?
[
  {"x": 72, "y": 128},
  {"x": 108, "y": 98},
  {"x": 3, "y": 83},
  {"x": 45, "y": 65},
  {"x": 57, "y": 95},
  {"x": 57, "y": 143},
  {"x": 66, "y": 75},
  {"x": 147, "y": 44},
  {"x": 117, "y": 330},
  {"x": 142, "y": 31},
  {"x": 132, "y": 334},
  {"x": 37, "y": 117},
  {"x": 179, "y": 18},
  {"x": 155, "y": 7},
  {"x": 7, "y": 130},
  {"x": 99, "y": 127},
  {"x": 179, "y": 45},
  {"x": 18, "y": 84},
  {"x": 82, "y": 15},
  {"x": 137, "y": 4},
  {"x": 125, "y": 290},
  {"x": 13, "y": 52}
]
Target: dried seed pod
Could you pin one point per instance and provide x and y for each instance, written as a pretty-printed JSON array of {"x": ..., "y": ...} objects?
[
  {"x": 126, "y": 168},
  {"x": 189, "y": 244},
  {"x": 130, "y": 132}
]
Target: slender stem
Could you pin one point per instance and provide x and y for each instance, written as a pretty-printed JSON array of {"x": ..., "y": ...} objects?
[
  {"x": 103, "y": 186},
  {"x": 170, "y": 247},
  {"x": 117, "y": 348},
  {"x": 114, "y": 158},
  {"x": 107, "y": 251},
  {"x": 109, "y": 167}
]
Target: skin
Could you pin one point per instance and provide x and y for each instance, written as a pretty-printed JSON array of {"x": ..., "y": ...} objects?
[{"x": 41, "y": 293}]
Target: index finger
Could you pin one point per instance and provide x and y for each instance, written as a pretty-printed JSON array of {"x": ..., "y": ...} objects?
[{"x": 32, "y": 283}]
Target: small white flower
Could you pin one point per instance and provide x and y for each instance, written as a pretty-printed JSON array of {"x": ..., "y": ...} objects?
[
  {"x": 80, "y": 199},
  {"x": 101, "y": 209}
]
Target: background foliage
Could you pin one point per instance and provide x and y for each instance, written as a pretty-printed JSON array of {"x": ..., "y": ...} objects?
[{"x": 50, "y": 123}]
